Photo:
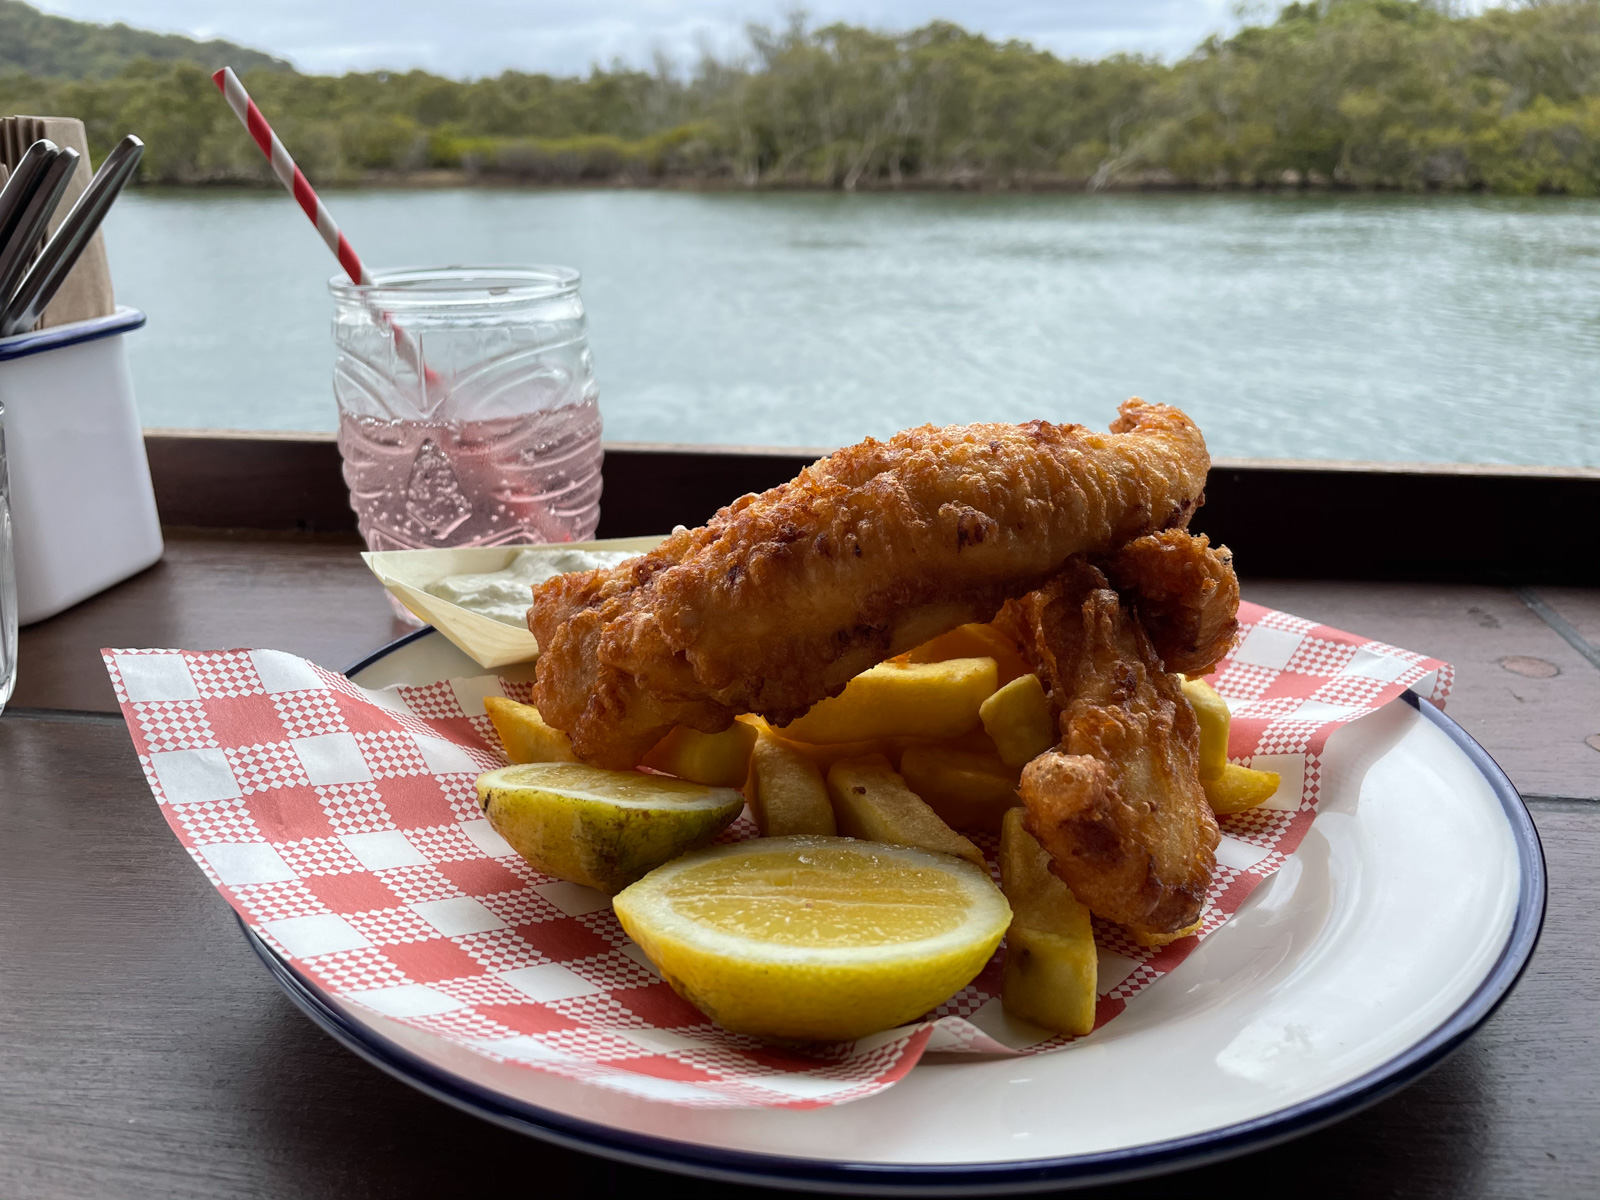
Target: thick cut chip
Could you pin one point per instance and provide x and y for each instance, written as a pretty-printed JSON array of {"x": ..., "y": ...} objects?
[
  {"x": 720, "y": 759},
  {"x": 524, "y": 733},
  {"x": 1019, "y": 721},
  {"x": 815, "y": 939},
  {"x": 973, "y": 641},
  {"x": 825, "y": 754},
  {"x": 968, "y": 789},
  {"x": 1211, "y": 711},
  {"x": 786, "y": 791},
  {"x": 1239, "y": 788},
  {"x": 873, "y": 803},
  {"x": 1052, "y": 966},
  {"x": 893, "y": 699}
]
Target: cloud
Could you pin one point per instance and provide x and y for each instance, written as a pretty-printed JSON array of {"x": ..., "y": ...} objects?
[{"x": 484, "y": 37}]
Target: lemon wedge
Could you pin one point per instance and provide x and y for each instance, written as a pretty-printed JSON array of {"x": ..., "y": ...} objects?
[
  {"x": 600, "y": 828},
  {"x": 815, "y": 938}
]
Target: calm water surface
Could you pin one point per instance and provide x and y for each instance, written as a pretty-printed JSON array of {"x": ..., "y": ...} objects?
[{"x": 1399, "y": 328}]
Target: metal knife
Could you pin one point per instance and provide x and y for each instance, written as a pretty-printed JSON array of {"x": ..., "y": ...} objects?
[
  {"x": 61, "y": 253},
  {"x": 30, "y": 196}
]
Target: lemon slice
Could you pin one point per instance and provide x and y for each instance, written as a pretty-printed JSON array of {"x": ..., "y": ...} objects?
[
  {"x": 600, "y": 828},
  {"x": 815, "y": 938}
]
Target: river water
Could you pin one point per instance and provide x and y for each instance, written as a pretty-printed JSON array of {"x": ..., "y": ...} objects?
[{"x": 1291, "y": 326}]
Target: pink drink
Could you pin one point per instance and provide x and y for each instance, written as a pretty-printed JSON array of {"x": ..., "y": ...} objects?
[
  {"x": 503, "y": 481},
  {"x": 497, "y": 442}
]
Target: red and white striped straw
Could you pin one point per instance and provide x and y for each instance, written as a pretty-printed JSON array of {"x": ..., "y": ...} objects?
[{"x": 300, "y": 188}]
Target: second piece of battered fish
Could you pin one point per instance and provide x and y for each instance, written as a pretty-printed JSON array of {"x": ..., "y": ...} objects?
[
  {"x": 1185, "y": 593},
  {"x": 782, "y": 598},
  {"x": 1118, "y": 804}
]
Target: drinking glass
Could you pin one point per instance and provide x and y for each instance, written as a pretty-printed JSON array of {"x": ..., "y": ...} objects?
[
  {"x": 468, "y": 409},
  {"x": 8, "y": 582}
]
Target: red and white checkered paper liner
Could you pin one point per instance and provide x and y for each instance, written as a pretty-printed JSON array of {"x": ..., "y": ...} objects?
[{"x": 343, "y": 825}]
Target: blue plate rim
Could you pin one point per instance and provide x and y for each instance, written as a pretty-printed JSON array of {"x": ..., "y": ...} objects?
[{"x": 978, "y": 1178}]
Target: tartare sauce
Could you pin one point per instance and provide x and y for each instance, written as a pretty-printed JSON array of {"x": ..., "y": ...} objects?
[{"x": 504, "y": 596}]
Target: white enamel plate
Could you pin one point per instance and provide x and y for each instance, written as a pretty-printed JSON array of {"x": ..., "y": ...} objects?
[{"x": 1403, "y": 919}]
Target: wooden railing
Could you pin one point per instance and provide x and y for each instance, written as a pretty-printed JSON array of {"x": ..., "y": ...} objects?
[{"x": 1285, "y": 518}]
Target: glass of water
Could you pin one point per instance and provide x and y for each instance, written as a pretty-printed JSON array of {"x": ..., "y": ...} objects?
[
  {"x": 8, "y": 581},
  {"x": 468, "y": 409}
]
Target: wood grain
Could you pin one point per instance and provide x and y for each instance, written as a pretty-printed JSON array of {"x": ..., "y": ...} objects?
[
  {"x": 310, "y": 596},
  {"x": 1581, "y": 608},
  {"x": 146, "y": 1053},
  {"x": 1535, "y": 728}
]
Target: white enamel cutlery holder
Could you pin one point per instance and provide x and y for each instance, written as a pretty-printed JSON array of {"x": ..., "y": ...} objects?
[{"x": 82, "y": 508}]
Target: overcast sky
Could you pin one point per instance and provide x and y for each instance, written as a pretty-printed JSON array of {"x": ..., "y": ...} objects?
[{"x": 483, "y": 37}]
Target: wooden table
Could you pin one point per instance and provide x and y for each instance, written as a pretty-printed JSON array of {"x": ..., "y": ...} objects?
[{"x": 144, "y": 1051}]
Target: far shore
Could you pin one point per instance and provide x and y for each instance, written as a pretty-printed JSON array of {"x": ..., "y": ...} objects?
[{"x": 1151, "y": 182}]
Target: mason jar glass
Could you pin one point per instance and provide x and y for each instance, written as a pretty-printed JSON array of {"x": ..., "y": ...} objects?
[{"x": 468, "y": 409}]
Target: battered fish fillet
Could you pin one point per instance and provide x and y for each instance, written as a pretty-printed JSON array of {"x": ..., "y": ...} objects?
[
  {"x": 1118, "y": 804},
  {"x": 782, "y": 598},
  {"x": 1185, "y": 593}
]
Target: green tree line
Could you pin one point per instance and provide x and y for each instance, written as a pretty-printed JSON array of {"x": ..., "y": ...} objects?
[
  {"x": 52, "y": 47},
  {"x": 1406, "y": 94}
]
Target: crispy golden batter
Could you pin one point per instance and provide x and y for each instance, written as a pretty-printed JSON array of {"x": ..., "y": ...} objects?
[
  {"x": 1185, "y": 593},
  {"x": 782, "y": 598},
  {"x": 1118, "y": 804}
]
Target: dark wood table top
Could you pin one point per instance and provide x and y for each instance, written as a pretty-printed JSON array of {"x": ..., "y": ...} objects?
[{"x": 144, "y": 1051}]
